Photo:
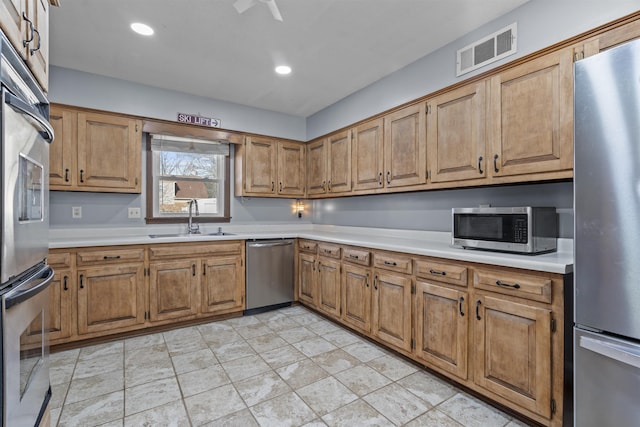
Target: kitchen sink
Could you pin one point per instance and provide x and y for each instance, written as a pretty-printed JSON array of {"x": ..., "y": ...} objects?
[
  {"x": 158, "y": 236},
  {"x": 220, "y": 233}
]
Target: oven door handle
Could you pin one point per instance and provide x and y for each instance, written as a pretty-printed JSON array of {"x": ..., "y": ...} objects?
[
  {"x": 45, "y": 276},
  {"x": 23, "y": 107}
]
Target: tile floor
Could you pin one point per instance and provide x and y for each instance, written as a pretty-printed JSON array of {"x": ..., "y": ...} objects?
[{"x": 288, "y": 367}]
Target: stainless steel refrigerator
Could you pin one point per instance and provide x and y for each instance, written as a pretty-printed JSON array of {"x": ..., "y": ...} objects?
[{"x": 607, "y": 238}]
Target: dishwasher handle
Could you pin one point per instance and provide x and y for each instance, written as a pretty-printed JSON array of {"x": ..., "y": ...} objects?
[{"x": 271, "y": 244}]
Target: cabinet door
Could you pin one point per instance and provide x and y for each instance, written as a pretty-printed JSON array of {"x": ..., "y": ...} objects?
[
  {"x": 38, "y": 50},
  {"x": 456, "y": 134},
  {"x": 329, "y": 286},
  {"x": 356, "y": 297},
  {"x": 12, "y": 23},
  {"x": 58, "y": 323},
  {"x": 368, "y": 156},
  {"x": 173, "y": 291},
  {"x": 306, "y": 278},
  {"x": 513, "y": 352},
  {"x": 532, "y": 116},
  {"x": 405, "y": 147},
  {"x": 109, "y": 152},
  {"x": 222, "y": 285},
  {"x": 392, "y": 309},
  {"x": 62, "y": 150},
  {"x": 317, "y": 167},
  {"x": 110, "y": 297},
  {"x": 260, "y": 158},
  {"x": 441, "y": 327},
  {"x": 291, "y": 179},
  {"x": 339, "y": 158}
]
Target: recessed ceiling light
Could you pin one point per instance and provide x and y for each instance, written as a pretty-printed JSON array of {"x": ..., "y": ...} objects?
[
  {"x": 142, "y": 29},
  {"x": 283, "y": 69}
]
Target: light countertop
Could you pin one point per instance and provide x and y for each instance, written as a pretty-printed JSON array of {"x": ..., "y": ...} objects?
[{"x": 429, "y": 243}]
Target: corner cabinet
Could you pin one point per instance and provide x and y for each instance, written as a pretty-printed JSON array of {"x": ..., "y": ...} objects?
[
  {"x": 95, "y": 152},
  {"x": 268, "y": 167}
]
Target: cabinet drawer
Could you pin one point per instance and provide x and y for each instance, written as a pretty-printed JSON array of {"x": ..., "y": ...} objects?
[
  {"x": 331, "y": 251},
  {"x": 185, "y": 250},
  {"x": 110, "y": 256},
  {"x": 59, "y": 259},
  {"x": 307, "y": 246},
  {"x": 357, "y": 256},
  {"x": 520, "y": 285},
  {"x": 441, "y": 272},
  {"x": 392, "y": 262}
]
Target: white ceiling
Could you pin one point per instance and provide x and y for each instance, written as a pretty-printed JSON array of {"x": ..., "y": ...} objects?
[{"x": 204, "y": 47}]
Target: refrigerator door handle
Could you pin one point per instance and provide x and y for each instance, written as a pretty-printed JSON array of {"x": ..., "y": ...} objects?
[{"x": 621, "y": 353}]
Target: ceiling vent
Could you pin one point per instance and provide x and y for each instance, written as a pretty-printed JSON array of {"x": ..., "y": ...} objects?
[{"x": 489, "y": 49}]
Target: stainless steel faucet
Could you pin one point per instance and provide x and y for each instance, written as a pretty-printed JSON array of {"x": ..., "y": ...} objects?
[{"x": 191, "y": 227}]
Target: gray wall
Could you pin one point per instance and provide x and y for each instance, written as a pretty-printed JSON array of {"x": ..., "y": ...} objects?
[
  {"x": 431, "y": 210},
  {"x": 541, "y": 23}
]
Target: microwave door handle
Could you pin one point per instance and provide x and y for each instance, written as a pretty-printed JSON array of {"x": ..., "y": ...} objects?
[
  {"x": 46, "y": 276},
  {"x": 23, "y": 107}
]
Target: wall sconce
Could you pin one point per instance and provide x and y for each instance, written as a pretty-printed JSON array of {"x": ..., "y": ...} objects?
[{"x": 298, "y": 208}]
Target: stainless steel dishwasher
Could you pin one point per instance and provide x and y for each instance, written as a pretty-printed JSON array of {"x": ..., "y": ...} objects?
[{"x": 269, "y": 274}]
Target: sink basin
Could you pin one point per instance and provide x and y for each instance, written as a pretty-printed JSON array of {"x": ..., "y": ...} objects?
[
  {"x": 219, "y": 234},
  {"x": 158, "y": 236}
]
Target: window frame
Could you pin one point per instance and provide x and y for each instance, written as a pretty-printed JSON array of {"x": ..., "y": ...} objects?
[{"x": 150, "y": 188}]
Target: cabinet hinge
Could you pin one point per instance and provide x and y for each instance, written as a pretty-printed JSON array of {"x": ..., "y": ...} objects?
[
  {"x": 577, "y": 56},
  {"x": 413, "y": 344},
  {"x": 553, "y": 324},
  {"x": 553, "y": 406},
  {"x": 136, "y": 128}
]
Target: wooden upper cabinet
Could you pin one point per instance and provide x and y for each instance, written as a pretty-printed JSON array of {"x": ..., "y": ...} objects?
[
  {"x": 109, "y": 152},
  {"x": 532, "y": 116},
  {"x": 456, "y": 134},
  {"x": 405, "y": 147},
  {"x": 291, "y": 177},
  {"x": 367, "y": 162},
  {"x": 62, "y": 150},
  {"x": 609, "y": 39},
  {"x": 317, "y": 167},
  {"x": 339, "y": 162},
  {"x": 260, "y": 164},
  {"x": 12, "y": 23}
]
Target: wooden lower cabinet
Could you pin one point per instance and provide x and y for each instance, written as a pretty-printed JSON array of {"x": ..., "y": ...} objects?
[
  {"x": 328, "y": 286},
  {"x": 307, "y": 278},
  {"x": 110, "y": 297},
  {"x": 442, "y": 327},
  {"x": 58, "y": 322},
  {"x": 222, "y": 284},
  {"x": 173, "y": 289},
  {"x": 513, "y": 352},
  {"x": 356, "y": 297},
  {"x": 392, "y": 309}
]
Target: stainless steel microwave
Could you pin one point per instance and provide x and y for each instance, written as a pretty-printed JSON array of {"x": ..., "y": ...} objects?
[{"x": 526, "y": 230}]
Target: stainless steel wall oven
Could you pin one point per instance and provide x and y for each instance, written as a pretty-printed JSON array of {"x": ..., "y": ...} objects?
[{"x": 25, "y": 135}]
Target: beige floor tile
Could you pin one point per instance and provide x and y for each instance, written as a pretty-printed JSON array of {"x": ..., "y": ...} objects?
[
  {"x": 428, "y": 388},
  {"x": 307, "y": 318},
  {"x": 190, "y": 342},
  {"x": 362, "y": 379},
  {"x": 216, "y": 339},
  {"x": 101, "y": 350},
  {"x": 314, "y": 346},
  {"x": 252, "y": 331},
  {"x": 195, "y": 382},
  {"x": 326, "y": 395},
  {"x": 148, "y": 371},
  {"x": 341, "y": 338},
  {"x": 97, "y": 385},
  {"x": 142, "y": 355},
  {"x": 55, "y": 416},
  {"x": 282, "y": 356},
  {"x": 363, "y": 351},
  {"x": 94, "y": 411},
  {"x": 242, "y": 418},
  {"x": 143, "y": 341},
  {"x": 315, "y": 423},
  {"x": 302, "y": 373},
  {"x": 286, "y": 410},
  {"x": 262, "y": 387},
  {"x": 323, "y": 327},
  {"x": 58, "y": 394},
  {"x": 471, "y": 412},
  {"x": 282, "y": 324},
  {"x": 298, "y": 334},
  {"x": 98, "y": 365},
  {"x": 357, "y": 413},
  {"x": 246, "y": 367},
  {"x": 61, "y": 374},
  {"x": 335, "y": 361},
  {"x": 172, "y": 414},
  {"x": 232, "y": 351},
  {"x": 150, "y": 395},
  {"x": 434, "y": 418},
  {"x": 396, "y": 404},
  {"x": 267, "y": 342},
  {"x": 392, "y": 367},
  {"x": 199, "y": 359},
  {"x": 243, "y": 321},
  {"x": 213, "y": 404}
]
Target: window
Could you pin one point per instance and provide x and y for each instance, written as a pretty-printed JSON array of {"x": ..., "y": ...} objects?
[{"x": 183, "y": 169}]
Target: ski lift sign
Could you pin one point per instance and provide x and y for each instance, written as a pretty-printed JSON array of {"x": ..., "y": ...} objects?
[{"x": 199, "y": 120}]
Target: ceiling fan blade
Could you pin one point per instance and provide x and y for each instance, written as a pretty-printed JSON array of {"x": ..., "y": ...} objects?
[
  {"x": 242, "y": 5},
  {"x": 273, "y": 7}
]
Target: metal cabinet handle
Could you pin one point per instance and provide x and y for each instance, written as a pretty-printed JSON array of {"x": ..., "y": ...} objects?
[
  {"x": 366, "y": 281},
  {"x": 81, "y": 175},
  {"x": 438, "y": 273},
  {"x": 391, "y": 263},
  {"x": 480, "y": 159},
  {"x": 460, "y": 301},
  {"x": 507, "y": 285},
  {"x": 314, "y": 266},
  {"x": 380, "y": 179},
  {"x": 280, "y": 187},
  {"x": 388, "y": 177},
  {"x": 375, "y": 282},
  {"x": 65, "y": 281},
  {"x": 273, "y": 186},
  {"x": 352, "y": 256},
  {"x": 324, "y": 185},
  {"x": 478, "y": 304},
  {"x": 111, "y": 257},
  {"x": 26, "y": 42},
  {"x": 495, "y": 163},
  {"x": 82, "y": 281},
  {"x": 193, "y": 269},
  {"x": 66, "y": 175},
  {"x": 32, "y": 51},
  {"x": 204, "y": 269}
]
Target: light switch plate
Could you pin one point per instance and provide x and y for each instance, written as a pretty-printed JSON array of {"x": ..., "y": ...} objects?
[
  {"x": 134, "y": 212},
  {"x": 76, "y": 212}
]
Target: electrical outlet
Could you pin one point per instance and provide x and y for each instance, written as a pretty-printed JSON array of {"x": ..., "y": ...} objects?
[
  {"x": 134, "y": 212},
  {"x": 76, "y": 212}
]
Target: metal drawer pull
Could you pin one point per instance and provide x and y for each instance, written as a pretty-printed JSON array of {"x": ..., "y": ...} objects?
[
  {"x": 66, "y": 175},
  {"x": 26, "y": 42},
  {"x": 375, "y": 282},
  {"x": 391, "y": 263},
  {"x": 193, "y": 269},
  {"x": 111, "y": 257},
  {"x": 380, "y": 179},
  {"x": 82, "y": 281},
  {"x": 327, "y": 251},
  {"x": 495, "y": 163},
  {"x": 273, "y": 186},
  {"x": 480, "y": 159},
  {"x": 439, "y": 273},
  {"x": 366, "y": 281},
  {"x": 388, "y": 177},
  {"x": 507, "y": 285},
  {"x": 81, "y": 175},
  {"x": 352, "y": 256},
  {"x": 478, "y": 304},
  {"x": 460, "y": 306},
  {"x": 65, "y": 280}
]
